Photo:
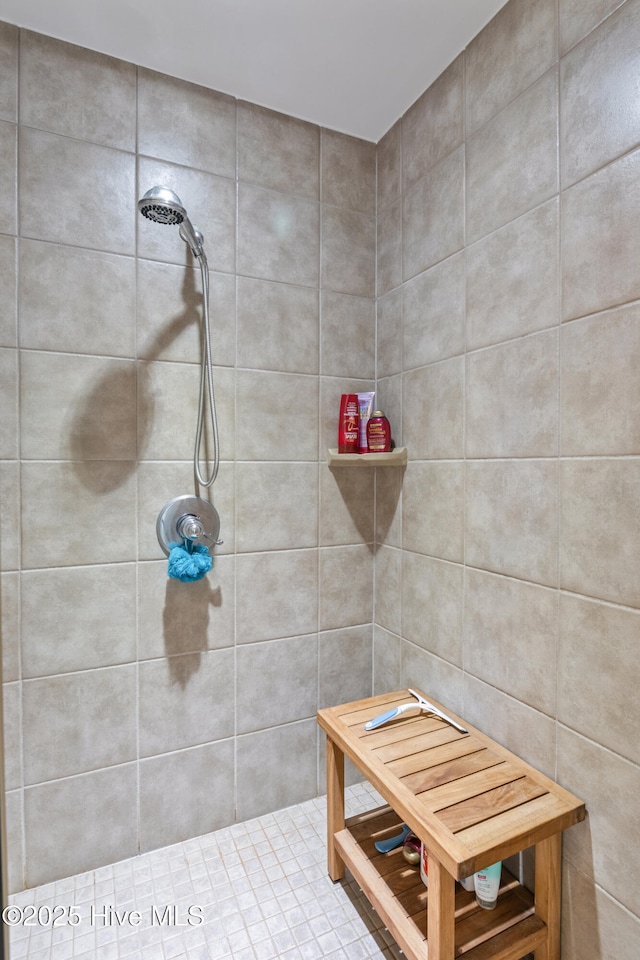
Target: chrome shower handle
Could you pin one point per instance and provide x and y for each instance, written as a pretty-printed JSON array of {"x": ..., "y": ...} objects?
[
  {"x": 187, "y": 519},
  {"x": 190, "y": 527}
]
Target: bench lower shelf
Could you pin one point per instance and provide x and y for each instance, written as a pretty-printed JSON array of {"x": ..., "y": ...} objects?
[{"x": 395, "y": 890}]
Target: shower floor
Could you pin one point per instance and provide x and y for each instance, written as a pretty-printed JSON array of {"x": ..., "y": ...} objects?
[{"x": 260, "y": 889}]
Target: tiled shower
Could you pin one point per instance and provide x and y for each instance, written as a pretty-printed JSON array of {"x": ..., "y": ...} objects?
[{"x": 478, "y": 266}]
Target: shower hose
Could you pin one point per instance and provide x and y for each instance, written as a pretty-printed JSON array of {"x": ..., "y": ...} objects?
[{"x": 206, "y": 388}]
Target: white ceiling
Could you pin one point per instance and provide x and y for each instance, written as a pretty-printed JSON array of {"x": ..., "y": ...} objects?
[{"x": 352, "y": 65}]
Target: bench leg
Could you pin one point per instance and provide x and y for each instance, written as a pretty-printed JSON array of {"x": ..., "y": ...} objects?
[
  {"x": 440, "y": 912},
  {"x": 549, "y": 894},
  {"x": 335, "y": 807}
]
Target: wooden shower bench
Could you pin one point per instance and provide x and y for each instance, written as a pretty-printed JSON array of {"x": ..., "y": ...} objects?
[{"x": 472, "y": 803}]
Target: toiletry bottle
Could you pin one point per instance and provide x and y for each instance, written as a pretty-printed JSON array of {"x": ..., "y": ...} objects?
[
  {"x": 487, "y": 885},
  {"x": 348, "y": 424},
  {"x": 365, "y": 406},
  {"x": 378, "y": 433},
  {"x": 424, "y": 864}
]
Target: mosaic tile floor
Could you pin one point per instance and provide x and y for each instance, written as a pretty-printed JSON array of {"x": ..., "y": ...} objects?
[{"x": 254, "y": 891}]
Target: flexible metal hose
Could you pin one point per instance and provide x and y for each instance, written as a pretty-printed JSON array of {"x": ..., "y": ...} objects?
[{"x": 206, "y": 387}]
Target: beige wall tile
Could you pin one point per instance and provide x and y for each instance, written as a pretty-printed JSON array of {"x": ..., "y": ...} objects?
[
  {"x": 600, "y": 409},
  {"x": 593, "y": 699},
  {"x": 347, "y": 335},
  {"x": 428, "y": 239},
  {"x": 602, "y": 846},
  {"x": 346, "y": 497},
  {"x": 432, "y": 410},
  {"x": 200, "y": 123},
  {"x": 510, "y": 637},
  {"x": 276, "y": 595},
  {"x": 210, "y": 202},
  {"x": 513, "y": 279},
  {"x": 592, "y": 921},
  {"x": 387, "y": 650},
  {"x": 278, "y": 151},
  {"x": 185, "y": 700},
  {"x": 518, "y": 727},
  {"x": 170, "y": 314},
  {"x": 598, "y": 96},
  {"x": 167, "y": 403},
  {"x": 278, "y": 236},
  {"x": 264, "y": 670},
  {"x": 8, "y": 311},
  {"x": 511, "y": 163},
  {"x": 205, "y": 775},
  {"x": 348, "y": 171},
  {"x": 345, "y": 585},
  {"x": 277, "y": 416},
  {"x": 388, "y": 328},
  {"x": 433, "y": 509},
  {"x": 99, "y": 318},
  {"x": 9, "y": 625},
  {"x": 80, "y": 823},
  {"x": 10, "y": 495},
  {"x": 433, "y": 313},
  {"x": 271, "y": 315},
  {"x": 433, "y": 126},
  {"x": 165, "y": 605},
  {"x": 79, "y": 722},
  {"x": 389, "y": 248},
  {"x": 600, "y": 524},
  {"x": 14, "y": 831},
  {"x": 388, "y": 589},
  {"x": 344, "y": 665},
  {"x": 578, "y": 17},
  {"x": 276, "y": 506},
  {"x": 12, "y": 734},
  {"x": 389, "y": 163},
  {"x": 63, "y": 185},
  {"x": 9, "y": 72},
  {"x": 9, "y": 403},
  {"x": 76, "y": 92},
  {"x": 62, "y": 632},
  {"x": 512, "y": 518},
  {"x": 77, "y": 513},
  {"x": 512, "y": 399},
  {"x": 8, "y": 178},
  {"x": 389, "y": 486},
  {"x": 512, "y": 51},
  {"x": 432, "y": 605},
  {"x": 599, "y": 235},
  {"x": 348, "y": 251},
  {"x": 262, "y": 757},
  {"x": 168, "y": 411},
  {"x": 77, "y": 408}
]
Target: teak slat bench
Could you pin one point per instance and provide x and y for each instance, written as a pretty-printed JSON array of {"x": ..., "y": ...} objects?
[{"x": 472, "y": 803}]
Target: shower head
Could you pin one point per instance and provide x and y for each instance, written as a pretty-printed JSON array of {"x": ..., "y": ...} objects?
[{"x": 164, "y": 206}]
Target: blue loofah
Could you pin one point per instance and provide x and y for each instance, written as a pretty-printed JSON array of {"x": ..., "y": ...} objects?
[{"x": 189, "y": 565}]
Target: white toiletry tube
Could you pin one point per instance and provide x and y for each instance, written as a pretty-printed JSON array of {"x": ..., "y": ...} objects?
[
  {"x": 487, "y": 884},
  {"x": 365, "y": 409},
  {"x": 468, "y": 884}
]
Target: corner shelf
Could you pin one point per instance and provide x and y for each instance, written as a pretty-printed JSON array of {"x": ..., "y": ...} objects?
[{"x": 395, "y": 458}]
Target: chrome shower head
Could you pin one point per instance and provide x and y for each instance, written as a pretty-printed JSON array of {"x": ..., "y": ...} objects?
[{"x": 162, "y": 205}]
